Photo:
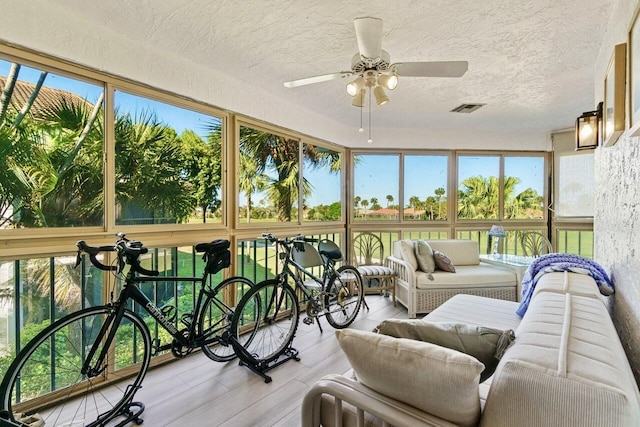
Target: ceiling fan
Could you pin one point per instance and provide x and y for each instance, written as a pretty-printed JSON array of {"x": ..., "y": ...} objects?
[{"x": 374, "y": 70}]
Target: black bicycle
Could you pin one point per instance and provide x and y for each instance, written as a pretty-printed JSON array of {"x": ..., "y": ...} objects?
[
  {"x": 77, "y": 350},
  {"x": 336, "y": 294}
]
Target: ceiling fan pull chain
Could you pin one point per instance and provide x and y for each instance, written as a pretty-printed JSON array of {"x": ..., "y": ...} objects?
[{"x": 369, "y": 140}]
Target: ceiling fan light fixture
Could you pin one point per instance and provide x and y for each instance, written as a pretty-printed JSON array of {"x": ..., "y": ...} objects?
[
  {"x": 354, "y": 86},
  {"x": 381, "y": 97},
  {"x": 390, "y": 81},
  {"x": 358, "y": 99}
]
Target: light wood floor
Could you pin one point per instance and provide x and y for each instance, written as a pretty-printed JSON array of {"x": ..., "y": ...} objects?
[{"x": 196, "y": 391}]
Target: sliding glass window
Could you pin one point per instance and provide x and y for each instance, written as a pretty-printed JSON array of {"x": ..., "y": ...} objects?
[
  {"x": 51, "y": 149},
  {"x": 376, "y": 185},
  {"x": 268, "y": 174},
  {"x": 523, "y": 187},
  {"x": 425, "y": 187},
  {"x": 168, "y": 163},
  {"x": 322, "y": 183},
  {"x": 478, "y": 187}
]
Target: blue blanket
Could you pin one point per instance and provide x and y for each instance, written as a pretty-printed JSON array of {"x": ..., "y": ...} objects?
[{"x": 561, "y": 262}]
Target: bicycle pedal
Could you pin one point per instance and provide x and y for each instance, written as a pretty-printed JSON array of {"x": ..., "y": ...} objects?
[
  {"x": 155, "y": 346},
  {"x": 308, "y": 320}
]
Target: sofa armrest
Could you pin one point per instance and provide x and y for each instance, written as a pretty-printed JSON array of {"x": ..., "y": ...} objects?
[
  {"x": 343, "y": 389},
  {"x": 403, "y": 270}
]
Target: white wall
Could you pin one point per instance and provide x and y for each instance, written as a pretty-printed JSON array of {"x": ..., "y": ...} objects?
[
  {"x": 617, "y": 204},
  {"x": 45, "y": 26}
]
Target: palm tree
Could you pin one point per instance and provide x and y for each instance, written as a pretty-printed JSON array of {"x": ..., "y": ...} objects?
[
  {"x": 439, "y": 192},
  {"x": 389, "y": 199},
  {"x": 250, "y": 181},
  {"x": 149, "y": 168},
  {"x": 356, "y": 203},
  {"x": 479, "y": 196},
  {"x": 280, "y": 155},
  {"x": 374, "y": 203},
  {"x": 364, "y": 204},
  {"x": 414, "y": 202}
]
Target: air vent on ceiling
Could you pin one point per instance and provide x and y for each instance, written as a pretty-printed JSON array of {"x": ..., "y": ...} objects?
[{"x": 466, "y": 108}]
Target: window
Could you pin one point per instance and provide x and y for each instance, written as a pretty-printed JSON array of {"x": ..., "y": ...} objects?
[
  {"x": 168, "y": 163},
  {"x": 574, "y": 184},
  {"x": 376, "y": 184},
  {"x": 517, "y": 193},
  {"x": 478, "y": 188},
  {"x": 51, "y": 150},
  {"x": 322, "y": 185},
  {"x": 425, "y": 188},
  {"x": 523, "y": 187},
  {"x": 268, "y": 176}
]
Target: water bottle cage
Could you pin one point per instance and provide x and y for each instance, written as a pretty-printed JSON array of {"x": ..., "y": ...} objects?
[{"x": 169, "y": 312}]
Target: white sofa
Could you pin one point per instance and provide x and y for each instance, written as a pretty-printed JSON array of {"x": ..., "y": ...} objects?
[
  {"x": 566, "y": 368},
  {"x": 421, "y": 295}
]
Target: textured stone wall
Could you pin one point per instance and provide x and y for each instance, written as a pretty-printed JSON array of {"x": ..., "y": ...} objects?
[
  {"x": 617, "y": 203},
  {"x": 617, "y": 236}
]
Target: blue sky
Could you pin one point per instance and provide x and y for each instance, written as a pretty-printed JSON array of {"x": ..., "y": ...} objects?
[{"x": 375, "y": 175}]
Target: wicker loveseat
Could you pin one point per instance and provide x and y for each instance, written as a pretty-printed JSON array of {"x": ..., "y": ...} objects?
[{"x": 416, "y": 291}]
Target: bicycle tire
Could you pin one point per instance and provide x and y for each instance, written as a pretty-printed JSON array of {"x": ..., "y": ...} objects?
[
  {"x": 278, "y": 314},
  {"x": 73, "y": 398},
  {"x": 216, "y": 316},
  {"x": 344, "y": 297}
]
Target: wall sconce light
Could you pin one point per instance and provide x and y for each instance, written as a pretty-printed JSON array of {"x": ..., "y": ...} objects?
[{"x": 588, "y": 129}]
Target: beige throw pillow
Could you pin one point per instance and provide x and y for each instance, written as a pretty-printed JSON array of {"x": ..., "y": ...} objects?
[
  {"x": 424, "y": 256},
  {"x": 443, "y": 262},
  {"x": 408, "y": 253},
  {"x": 485, "y": 344},
  {"x": 434, "y": 379}
]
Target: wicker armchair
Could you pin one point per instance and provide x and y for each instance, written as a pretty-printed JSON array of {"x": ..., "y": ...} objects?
[
  {"x": 368, "y": 257},
  {"x": 535, "y": 244}
]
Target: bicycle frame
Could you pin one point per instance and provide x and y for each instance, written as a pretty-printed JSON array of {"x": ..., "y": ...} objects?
[
  {"x": 328, "y": 273},
  {"x": 130, "y": 291}
]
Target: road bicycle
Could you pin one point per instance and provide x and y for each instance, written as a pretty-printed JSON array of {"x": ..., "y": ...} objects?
[
  {"x": 77, "y": 350},
  {"x": 336, "y": 294}
]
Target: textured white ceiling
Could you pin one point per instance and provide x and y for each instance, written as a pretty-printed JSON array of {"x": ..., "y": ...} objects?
[{"x": 530, "y": 62}]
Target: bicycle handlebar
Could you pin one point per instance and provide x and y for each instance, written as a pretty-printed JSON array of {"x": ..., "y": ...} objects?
[
  {"x": 288, "y": 240},
  {"x": 128, "y": 252}
]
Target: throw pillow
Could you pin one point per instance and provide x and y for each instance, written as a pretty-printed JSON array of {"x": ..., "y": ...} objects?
[
  {"x": 424, "y": 256},
  {"x": 485, "y": 344},
  {"x": 437, "y": 380},
  {"x": 408, "y": 253},
  {"x": 443, "y": 262}
]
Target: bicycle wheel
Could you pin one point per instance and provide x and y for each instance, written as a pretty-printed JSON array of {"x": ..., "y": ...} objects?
[
  {"x": 45, "y": 382},
  {"x": 344, "y": 297},
  {"x": 216, "y": 317},
  {"x": 276, "y": 308}
]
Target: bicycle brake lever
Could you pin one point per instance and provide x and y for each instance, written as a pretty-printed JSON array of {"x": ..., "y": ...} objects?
[{"x": 78, "y": 259}]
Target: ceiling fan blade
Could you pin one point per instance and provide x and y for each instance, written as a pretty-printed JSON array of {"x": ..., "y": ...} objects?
[
  {"x": 317, "y": 79},
  {"x": 431, "y": 69},
  {"x": 369, "y": 36}
]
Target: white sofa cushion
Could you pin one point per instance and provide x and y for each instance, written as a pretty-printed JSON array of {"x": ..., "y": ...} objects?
[
  {"x": 567, "y": 367},
  {"x": 566, "y": 282},
  {"x": 476, "y": 310},
  {"x": 461, "y": 252},
  {"x": 407, "y": 253},
  {"x": 437, "y": 380},
  {"x": 477, "y": 276},
  {"x": 424, "y": 255}
]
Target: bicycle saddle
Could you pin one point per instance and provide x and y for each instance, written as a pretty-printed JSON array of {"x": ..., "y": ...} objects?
[
  {"x": 214, "y": 246},
  {"x": 335, "y": 254}
]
